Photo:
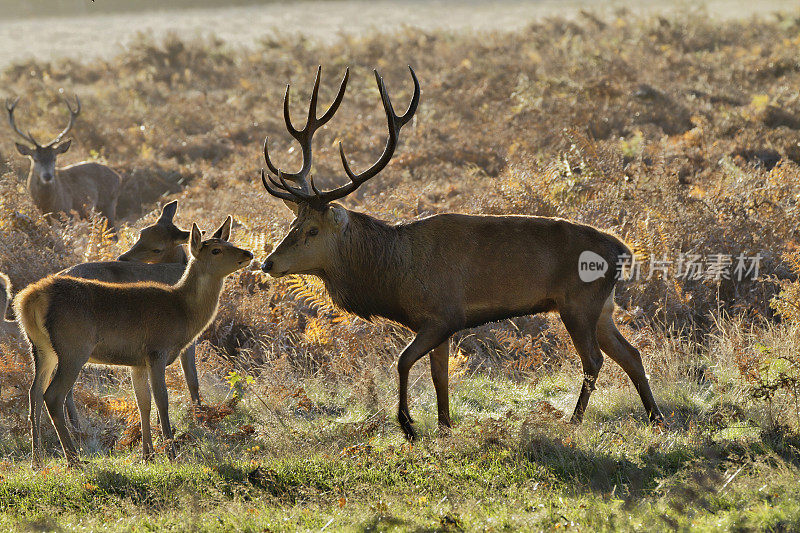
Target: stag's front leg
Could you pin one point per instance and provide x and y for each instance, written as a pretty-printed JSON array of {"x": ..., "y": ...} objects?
[
  {"x": 426, "y": 340},
  {"x": 157, "y": 369}
]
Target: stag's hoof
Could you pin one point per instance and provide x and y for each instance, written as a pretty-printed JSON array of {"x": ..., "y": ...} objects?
[{"x": 406, "y": 424}]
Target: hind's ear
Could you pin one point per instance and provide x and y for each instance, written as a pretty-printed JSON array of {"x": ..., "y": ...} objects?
[
  {"x": 224, "y": 231},
  {"x": 196, "y": 241},
  {"x": 168, "y": 213},
  {"x": 180, "y": 235}
]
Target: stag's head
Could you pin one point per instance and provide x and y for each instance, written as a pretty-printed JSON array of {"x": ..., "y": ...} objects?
[
  {"x": 43, "y": 156},
  {"x": 320, "y": 222},
  {"x": 161, "y": 242}
]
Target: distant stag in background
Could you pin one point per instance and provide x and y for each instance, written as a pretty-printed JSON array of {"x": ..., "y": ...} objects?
[
  {"x": 80, "y": 187},
  {"x": 448, "y": 272},
  {"x": 70, "y": 322},
  {"x": 158, "y": 255}
]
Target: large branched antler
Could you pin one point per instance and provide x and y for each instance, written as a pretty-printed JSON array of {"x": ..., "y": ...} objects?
[
  {"x": 315, "y": 198},
  {"x": 73, "y": 114},
  {"x": 305, "y": 135},
  {"x": 11, "y": 105}
]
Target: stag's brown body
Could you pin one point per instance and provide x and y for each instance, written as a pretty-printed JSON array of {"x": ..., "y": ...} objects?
[
  {"x": 451, "y": 271},
  {"x": 145, "y": 325},
  {"x": 464, "y": 270},
  {"x": 80, "y": 188}
]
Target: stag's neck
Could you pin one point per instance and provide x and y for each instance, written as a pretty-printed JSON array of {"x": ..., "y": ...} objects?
[
  {"x": 199, "y": 289},
  {"x": 367, "y": 272},
  {"x": 45, "y": 195}
]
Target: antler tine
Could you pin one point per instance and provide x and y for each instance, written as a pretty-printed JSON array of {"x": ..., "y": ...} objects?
[
  {"x": 394, "y": 124},
  {"x": 278, "y": 193},
  {"x": 10, "y": 107},
  {"x": 305, "y": 135},
  {"x": 73, "y": 114}
]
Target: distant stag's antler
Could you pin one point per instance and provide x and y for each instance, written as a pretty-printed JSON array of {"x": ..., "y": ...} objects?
[
  {"x": 315, "y": 198},
  {"x": 73, "y": 114}
]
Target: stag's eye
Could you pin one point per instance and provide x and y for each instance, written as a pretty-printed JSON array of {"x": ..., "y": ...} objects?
[
  {"x": 312, "y": 232},
  {"x": 215, "y": 251},
  {"x": 157, "y": 251}
]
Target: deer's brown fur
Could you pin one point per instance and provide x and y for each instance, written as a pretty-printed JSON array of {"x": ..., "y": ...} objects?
[
  {"x": 79, "y": 188},
  {"x": 447, "y": 272},
  {"x": 145, "y": 325}
]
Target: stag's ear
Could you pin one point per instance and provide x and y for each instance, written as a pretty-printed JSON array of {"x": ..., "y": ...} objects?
[
  {"x": 24, "y": 150},
  {"x": 337, "y": 215},
  {"x": 63, "y": 147},
  {"x": 224, "y": 231},
  {"x": 292, "y": 206},
  {"x": 196, "y": 241},
  {"x": 168, "y": 212}
]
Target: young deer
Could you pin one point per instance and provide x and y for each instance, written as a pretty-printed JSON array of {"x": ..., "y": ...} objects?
[
  {"x": 157, "y": 255},
  {"x": 163, "y": 242},
  {"x": 80, "y": 187},
  {"x": 447, "y": 272},
  {"x": 71, "y": 321}
]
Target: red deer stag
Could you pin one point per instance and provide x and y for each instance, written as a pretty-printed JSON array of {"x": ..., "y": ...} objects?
[
  {"x": 80, "y": 187},
  {"x": 448, "y": 272}
]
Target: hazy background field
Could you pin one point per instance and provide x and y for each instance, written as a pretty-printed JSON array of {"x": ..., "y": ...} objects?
[{"x": 673, "y": 126}]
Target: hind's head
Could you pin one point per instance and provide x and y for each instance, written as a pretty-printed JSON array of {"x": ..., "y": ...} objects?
[{"x": 216, "y": 256}]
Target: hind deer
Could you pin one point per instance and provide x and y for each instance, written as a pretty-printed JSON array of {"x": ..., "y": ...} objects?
[
  {"x": 70, "y": 322},
  {"x": 157, "y": 255},
  {"x": 447, "y": 272},
  {"x": 80, "y": 187}
]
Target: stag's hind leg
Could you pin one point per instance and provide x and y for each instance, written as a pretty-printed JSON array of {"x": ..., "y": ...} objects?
[
  {"x": 44, "y": 364},
  {"x": 581, "y": 325},
  {"x": 440, "y": 359},
  {"x": 627, "y": 356}
]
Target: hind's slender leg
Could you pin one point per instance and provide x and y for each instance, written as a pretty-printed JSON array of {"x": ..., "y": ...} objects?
[
  {"x": 157, "y": 368},
  {"x": 581, "y": 326},
  {"x": 189, "y": 366},
  {"x": 141, "y": 388},
  {"x": 628, "y": 357},
  {"x": 44, "y": 364},
  {"x": 72, "y": 411},
  {"x": 70, "y": 363}
]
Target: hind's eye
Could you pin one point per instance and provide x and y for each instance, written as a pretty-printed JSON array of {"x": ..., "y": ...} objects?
[
  {"x": 312, "y": 232},
  {"x": 157, "y": 251},
  {"x": 215, "y": 251}
]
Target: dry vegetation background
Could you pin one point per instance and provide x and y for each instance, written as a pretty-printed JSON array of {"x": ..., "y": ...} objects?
[{"x": 681, "y": 135}]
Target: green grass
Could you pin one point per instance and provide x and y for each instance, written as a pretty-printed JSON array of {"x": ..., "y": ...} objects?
[{"x": 508, "y": 465}]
